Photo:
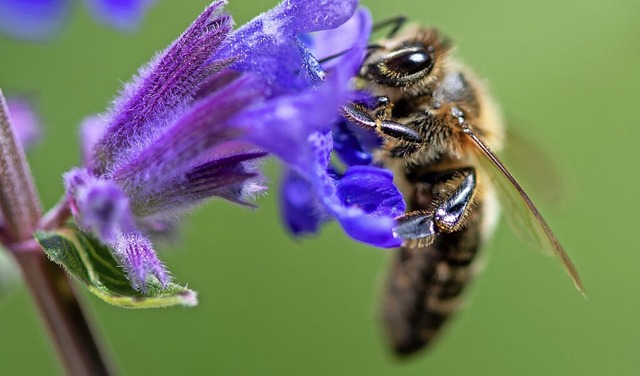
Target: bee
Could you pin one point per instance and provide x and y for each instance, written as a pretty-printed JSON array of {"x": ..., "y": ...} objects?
[{"x": 441, "y": 130}]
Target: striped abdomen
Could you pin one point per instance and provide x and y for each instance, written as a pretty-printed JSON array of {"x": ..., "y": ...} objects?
[{"x": 426, "y": 281}]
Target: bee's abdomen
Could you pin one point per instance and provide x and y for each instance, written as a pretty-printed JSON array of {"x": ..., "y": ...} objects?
[{"x": 425, "y": 285}]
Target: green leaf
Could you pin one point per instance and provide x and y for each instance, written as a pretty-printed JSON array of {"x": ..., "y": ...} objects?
[{"x": 93, "y": 264}]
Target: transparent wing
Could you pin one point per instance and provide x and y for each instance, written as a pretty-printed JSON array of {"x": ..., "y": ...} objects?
[
  {"x": 534, "y": 167},
  {"x": 520, "y": 211}
]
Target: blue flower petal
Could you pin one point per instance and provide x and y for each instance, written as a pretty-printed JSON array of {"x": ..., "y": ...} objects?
[
  {"x": 371, "y": 190},
  {"x": 282, "y": 125},
  {"x": 371, "y": 202},
  {"x": 34, "y": 20},
  {"x": 270, "y": 47},
  {"x": 296, "y": 127},
  {"x": 348, "y": 146},
  {"x": 124, "y": 15},
  {"x": 364, "y": 200},
  {"x": 301, "y": 210},
  {"x": 333, "y": 42},
  {"x": 377, "y": 231}
]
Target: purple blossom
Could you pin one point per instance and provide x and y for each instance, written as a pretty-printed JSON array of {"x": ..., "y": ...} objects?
[
  {"x": 363, "y": 200},
  {"x": 168, "y": 144},
  {"x": 310, "y": 194},
  {"x": 197, "y": 120},
  {"x": 38, "y": 20}
]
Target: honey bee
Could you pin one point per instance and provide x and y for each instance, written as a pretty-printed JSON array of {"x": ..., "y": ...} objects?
[{"x": 440, "y": 129}]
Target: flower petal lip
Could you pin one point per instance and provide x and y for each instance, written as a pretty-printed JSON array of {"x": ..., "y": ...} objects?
[
  {"x": 377, "y": 231},
  {"x": 371, "y": 189},
  {"x": 163, "y": 86},
  {"x": 364, "y": 201},
  {"x": 301, "y": 209}
]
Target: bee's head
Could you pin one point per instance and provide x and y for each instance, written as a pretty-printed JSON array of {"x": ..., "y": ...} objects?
[{"x": 410, "y": 62}]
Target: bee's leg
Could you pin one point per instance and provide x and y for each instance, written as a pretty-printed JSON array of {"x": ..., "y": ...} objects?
[
  {"x": 456, "y": 200},
  {"x": 417, "y": 227},
  {"x": 377, "y": 118},
  {"x": 453, "y": 193}
]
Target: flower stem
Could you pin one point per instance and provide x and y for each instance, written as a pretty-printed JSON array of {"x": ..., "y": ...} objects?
[
  {"x": 58, "y": 304},
  {"x": 49, "y": 285},
  {"x": 18, "y": 199}
]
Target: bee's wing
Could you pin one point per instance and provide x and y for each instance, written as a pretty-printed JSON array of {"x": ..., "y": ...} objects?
[
  {"x": 535, "y": 168},
  {"x": 521, "y": 211}
]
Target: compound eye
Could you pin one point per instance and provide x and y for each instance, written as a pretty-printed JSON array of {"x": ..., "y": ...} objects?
[
  {"x": 409, "y": 62},
  {"x": 403, "y": 67}
]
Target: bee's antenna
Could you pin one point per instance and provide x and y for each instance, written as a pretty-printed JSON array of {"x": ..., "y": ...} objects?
[
  {"x": 334, "y": 56},
  {"x": 395, "y": 22}
]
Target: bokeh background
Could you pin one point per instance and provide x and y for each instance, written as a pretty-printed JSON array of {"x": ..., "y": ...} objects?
[{"x": 567, "y": 75}]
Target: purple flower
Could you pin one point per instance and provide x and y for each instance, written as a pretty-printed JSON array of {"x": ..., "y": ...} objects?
[
  {"x": 169, "y": 143},
  {"x": 296, "y": 127},
  {"x": 38, "y": 20},
  {"x": 363, "y": 200},
  {"x": 197, "y": 120}
]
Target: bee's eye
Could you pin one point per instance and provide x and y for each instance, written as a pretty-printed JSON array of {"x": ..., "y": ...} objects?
[
  {"x": 402, "y": 67},
  {"x": 408, "y": 62}
]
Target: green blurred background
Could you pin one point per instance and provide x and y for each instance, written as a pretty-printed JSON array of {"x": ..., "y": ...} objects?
[{"x": 270, "y": 305}]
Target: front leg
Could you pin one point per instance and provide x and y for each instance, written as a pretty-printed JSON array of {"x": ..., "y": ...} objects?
[{"x": 378, "y": 118}]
